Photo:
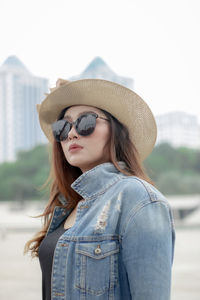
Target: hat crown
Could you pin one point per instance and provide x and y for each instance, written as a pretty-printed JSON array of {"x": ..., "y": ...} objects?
[{"x": 107, "y": 95}]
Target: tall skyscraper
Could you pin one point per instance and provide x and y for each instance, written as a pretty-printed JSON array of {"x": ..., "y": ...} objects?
[
  {"x": 97, "y": 68},
  {"x": 178, "y": 129},
  {"x": 19, "y": 93}
]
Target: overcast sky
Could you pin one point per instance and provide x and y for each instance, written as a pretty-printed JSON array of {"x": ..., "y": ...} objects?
[{"x": 155, "y": 42}]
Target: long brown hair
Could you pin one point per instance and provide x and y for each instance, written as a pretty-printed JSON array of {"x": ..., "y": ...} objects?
[{"x": 62, "y": 174}]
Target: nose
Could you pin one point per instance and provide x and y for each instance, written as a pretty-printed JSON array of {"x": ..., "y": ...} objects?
[{"x": 72, "y": 133}]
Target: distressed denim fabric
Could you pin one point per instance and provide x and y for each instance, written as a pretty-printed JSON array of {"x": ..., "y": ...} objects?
[{"x": 121, "y": 245}]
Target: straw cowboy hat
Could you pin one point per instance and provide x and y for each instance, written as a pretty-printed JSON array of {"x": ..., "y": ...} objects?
[{"x": 121, "y": 102}]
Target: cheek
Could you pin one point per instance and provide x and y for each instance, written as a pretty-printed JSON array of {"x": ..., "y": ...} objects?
[
  {"x": 63, "y": 146},
  {"x": 64, "y": 149},
  {"x": 101, "y": 138}
]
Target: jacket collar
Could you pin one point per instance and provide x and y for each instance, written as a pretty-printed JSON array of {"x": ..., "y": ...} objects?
[{"x": 95, "y": 181}]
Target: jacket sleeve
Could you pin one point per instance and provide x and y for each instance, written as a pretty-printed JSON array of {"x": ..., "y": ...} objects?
[{"x": 147, "y": 251}]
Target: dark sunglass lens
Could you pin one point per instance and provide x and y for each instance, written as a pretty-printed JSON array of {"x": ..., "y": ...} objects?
[
  {"x": 86, "y": 124},
  {"x": 57, "y": 128},
  {"x": 66, "y": 130}
]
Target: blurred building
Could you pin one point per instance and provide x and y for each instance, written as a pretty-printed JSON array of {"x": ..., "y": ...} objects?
[
  {"x": 19, "y": 93},
  {"x": 178, "y": 129},
  {"x": 99, "y": 69}
]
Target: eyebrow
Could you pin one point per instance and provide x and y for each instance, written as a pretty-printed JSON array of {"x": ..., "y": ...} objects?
[{"x": 83, "y": 112}]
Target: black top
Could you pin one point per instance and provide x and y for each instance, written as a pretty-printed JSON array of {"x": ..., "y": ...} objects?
[{"x": 45, "y": 253}]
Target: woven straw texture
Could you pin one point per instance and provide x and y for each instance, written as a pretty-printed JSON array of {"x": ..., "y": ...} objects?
[{"x": 121, "y": 102}]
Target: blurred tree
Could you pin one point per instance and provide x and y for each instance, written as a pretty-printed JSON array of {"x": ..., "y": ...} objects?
[
  {"x": 174, "y": 171},
  {"x": 22, "y": 179}
]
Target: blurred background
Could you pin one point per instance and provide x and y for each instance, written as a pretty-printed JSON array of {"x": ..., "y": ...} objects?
[{"x": 151, "y": 47}]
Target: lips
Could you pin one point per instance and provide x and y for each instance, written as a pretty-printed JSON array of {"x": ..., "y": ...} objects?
[{"x": 74, "y": 146}]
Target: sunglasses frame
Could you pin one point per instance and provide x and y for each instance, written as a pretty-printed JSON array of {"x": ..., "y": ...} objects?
[{"x": 75, "y": 124}]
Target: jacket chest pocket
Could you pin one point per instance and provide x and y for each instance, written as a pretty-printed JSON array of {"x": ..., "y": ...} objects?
[{"x": 96, "y": 266}]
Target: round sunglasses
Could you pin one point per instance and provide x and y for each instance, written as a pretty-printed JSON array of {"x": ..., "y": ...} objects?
[{"x": 84, "y": 125}]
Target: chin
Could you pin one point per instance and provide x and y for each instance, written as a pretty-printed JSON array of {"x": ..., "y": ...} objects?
[
  {"x": 84, "y": 165},
  {"x": 76, "y": 162}
]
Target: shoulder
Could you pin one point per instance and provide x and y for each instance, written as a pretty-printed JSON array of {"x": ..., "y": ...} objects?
[
  {"x": 135, "y": 188},
  {"x": 135, "y": 195},
  {"x": 143, "y": 205}
]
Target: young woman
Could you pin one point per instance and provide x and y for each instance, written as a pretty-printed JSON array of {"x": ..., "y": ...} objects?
[{"x": 108, "y": 232}]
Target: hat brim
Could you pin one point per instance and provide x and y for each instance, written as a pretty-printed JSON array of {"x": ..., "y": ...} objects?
[{"x": 121, "y": 102}]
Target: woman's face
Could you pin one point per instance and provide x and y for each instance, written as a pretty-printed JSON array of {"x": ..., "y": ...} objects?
[{"x": 95, "y": 147}]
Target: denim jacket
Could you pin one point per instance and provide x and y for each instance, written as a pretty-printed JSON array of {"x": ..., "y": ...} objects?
[{"x": 121, "y": 245}]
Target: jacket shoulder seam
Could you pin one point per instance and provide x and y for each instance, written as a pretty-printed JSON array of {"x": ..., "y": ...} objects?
[
  {"x": 136, "y": 210},
  {"x": 152, "y": 195}
]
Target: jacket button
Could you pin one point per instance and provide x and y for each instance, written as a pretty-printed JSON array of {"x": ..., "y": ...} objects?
[{"x": 97, "y": 250}]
